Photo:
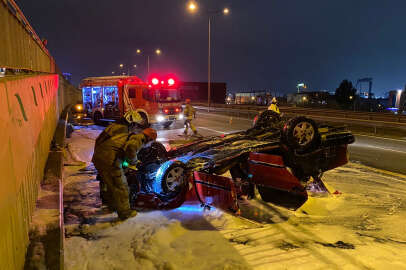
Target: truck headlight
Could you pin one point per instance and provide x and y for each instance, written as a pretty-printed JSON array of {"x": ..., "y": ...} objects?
[
  {"x": 180, "y": 116},
  {"x": 160, "y": 118}
]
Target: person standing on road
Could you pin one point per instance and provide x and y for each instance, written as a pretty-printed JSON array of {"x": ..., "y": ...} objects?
[
  {"x": 274, "y": 106},
  {"x": 114, "y": 147},
  {"x": 189, "y": 113}
]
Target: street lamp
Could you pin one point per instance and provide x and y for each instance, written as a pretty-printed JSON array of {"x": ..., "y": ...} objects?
[
  {"x": 192, "y": 7},
  {"x": 157, "y": 52},
  {"x": 128, "y": 69}
]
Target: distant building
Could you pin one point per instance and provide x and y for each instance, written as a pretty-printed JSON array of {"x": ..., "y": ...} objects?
[
  {"x": 310, "y": 98},
  {"x": 197, "y": 91},
  {"x": 253, "y": 97}
]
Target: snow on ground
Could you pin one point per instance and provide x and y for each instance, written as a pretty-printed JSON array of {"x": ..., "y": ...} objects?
[{"x": 362, "y": 228}]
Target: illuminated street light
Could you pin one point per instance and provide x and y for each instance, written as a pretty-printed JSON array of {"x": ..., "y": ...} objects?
[
  {"x": 121, "y": 65},
  {"x": 113, "y": 72},
  {"x": 157, "y": 52},
  {"x": 135, "y": 66},
  {"x": 304, "y": 98},
  {"x": 351, "y": 97},
  {"x": 192, "y": 6}
]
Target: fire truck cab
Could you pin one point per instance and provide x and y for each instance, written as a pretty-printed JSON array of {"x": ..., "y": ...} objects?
[{"x": 158, "y": 100}]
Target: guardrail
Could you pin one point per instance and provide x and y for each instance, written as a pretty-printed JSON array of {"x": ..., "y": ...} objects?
[
  {"x": 20, "y": 46},
  {"x": 317, "y": 115},
  {"x": 349, "y": 115}
]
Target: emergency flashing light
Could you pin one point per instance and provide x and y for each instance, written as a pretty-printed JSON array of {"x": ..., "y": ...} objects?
[
  {"x": 155, "y": 81},
  {"x": 171, "y": 82}
]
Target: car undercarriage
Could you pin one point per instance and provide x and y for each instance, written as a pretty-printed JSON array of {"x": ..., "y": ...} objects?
[{"x": 277, "y": 156}]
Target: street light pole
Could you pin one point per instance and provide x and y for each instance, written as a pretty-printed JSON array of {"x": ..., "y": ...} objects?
[
  {"x": 192, "y": 6},
  {"x": 209, "y": 68},
  {"x": 148, "y": 64}
]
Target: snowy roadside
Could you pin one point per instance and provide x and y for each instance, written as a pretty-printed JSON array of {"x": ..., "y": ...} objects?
[{"x": 363, "y": 228}]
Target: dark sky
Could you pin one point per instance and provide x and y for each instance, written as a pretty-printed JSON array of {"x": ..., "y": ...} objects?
[{"x": 262, "y": 44}]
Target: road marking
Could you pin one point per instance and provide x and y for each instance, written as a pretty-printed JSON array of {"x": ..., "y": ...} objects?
[
  {"x": 225, "y": 116},
  {"x": 221, "y": 132},
  {"x": 383, "y": 138},
  {"x": 376, "y": 147}
]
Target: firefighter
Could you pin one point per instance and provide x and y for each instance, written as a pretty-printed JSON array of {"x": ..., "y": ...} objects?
[
  {"x": 189, "y": 113},
  {"x": 115, "y": 148},
  {"x": 274, "y": 106}
]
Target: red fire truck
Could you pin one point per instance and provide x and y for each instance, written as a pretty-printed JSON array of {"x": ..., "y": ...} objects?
[{"x": 158, "y": 100}]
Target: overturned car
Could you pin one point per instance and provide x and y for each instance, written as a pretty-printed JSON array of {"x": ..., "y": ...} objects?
[{"x": 278, "y": 157}]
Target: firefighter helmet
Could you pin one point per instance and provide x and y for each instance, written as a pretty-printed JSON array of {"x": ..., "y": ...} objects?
[{"x": 133, "y": 117}]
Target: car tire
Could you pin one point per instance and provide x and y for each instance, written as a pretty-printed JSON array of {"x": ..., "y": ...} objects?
[
  {"x": 156, "y": 152},
  {"x": 173, "y": 178},
  {"x": 301, "y": 133}
]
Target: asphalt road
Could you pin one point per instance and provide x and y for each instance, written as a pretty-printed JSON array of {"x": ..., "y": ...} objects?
[{"x": 381, "y": 153}]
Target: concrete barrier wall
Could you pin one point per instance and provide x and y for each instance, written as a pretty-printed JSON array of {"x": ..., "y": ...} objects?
[{"x": 29, "y": 112}]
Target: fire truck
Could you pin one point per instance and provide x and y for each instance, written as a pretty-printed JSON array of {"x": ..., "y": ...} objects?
[{"x": 158, "y": 100}]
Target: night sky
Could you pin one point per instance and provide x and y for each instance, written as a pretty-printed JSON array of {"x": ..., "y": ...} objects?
[{"x": 262, "y": 44}]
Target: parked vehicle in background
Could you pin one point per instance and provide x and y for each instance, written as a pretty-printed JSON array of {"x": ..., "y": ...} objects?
[{"x": 158, "y": 100}]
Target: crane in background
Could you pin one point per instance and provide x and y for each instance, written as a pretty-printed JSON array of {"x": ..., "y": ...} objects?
[{"x": 369, "y": 81}]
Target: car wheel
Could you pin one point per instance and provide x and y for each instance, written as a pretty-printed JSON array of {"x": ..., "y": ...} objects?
[
  {"x": 156, "y": 152},
  {"x": 173, "y": 178},
  {"x": 301, "y": 133}
]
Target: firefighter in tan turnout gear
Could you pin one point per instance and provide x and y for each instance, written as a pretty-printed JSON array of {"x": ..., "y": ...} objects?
[
  {"x": 189, "y": 113},
  {"x": 116, "y": 147},
  {"x": 274, "y": 106}
]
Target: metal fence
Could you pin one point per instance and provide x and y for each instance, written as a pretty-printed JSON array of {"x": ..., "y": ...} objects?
[
  {"x": 376, "y": 123},
  {"x": 20, "y": 46}
]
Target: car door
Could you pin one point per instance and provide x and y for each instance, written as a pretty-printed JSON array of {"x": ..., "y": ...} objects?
[
  {"x": 275, "y": 181},
  {"x": 216, "y": 191}
]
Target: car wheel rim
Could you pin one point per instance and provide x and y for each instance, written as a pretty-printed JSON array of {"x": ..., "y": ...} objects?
[
  {"x": 303, "y": 133},
  {"x": 174, "y": 178}
]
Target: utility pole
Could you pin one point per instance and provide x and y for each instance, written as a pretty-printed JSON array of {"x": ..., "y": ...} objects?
[{"x": 209, "y": 69}]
